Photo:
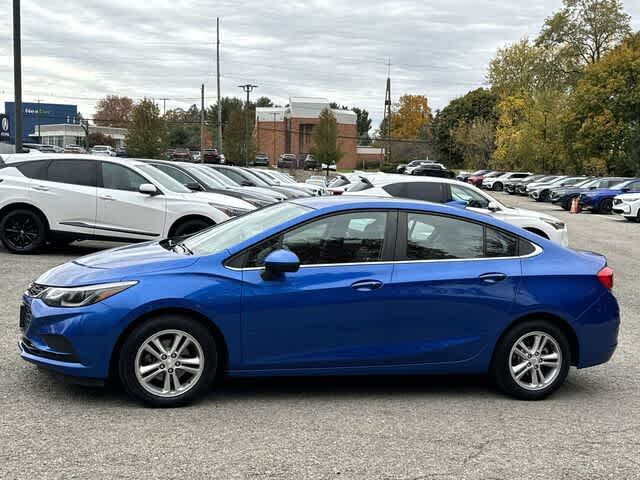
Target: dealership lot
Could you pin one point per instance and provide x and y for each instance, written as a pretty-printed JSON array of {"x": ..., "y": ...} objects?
[{"x": 327, "y": 428}]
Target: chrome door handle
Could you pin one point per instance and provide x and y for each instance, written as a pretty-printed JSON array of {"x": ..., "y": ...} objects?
[
  {"x": 492, "y": 277},
  {"x": 107, "y": 197},
  {"x": 366, "y": 285},
  {"x": 40, "y": 188}
]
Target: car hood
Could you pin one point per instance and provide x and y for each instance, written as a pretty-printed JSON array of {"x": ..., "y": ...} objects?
[
  {"x": 628, "y": 196},
  {"x": 220, "y": 199},
  {"x": 123, "y": 263},
  {"x": 523, "y": 213}
]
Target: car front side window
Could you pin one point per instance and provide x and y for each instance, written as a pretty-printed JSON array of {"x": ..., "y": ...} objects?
[
  {"x": 344, "y": 238},
  {"x": 471, "y": 198},
  {"x": 117, "y": 177}
]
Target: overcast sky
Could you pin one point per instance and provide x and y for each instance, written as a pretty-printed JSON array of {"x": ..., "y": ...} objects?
[{"x": 78, "y": 51}]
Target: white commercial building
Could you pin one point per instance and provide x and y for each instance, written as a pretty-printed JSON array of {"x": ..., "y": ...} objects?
[{"x": 73, "y": 134}]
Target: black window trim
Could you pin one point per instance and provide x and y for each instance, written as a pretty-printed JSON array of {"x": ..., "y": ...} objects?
[
  {"x": 401, "y": 240},
  {"x": 63, "y": 159},
  {"x": 141, "y": 174},
  {"x": 238, "y": 260}
]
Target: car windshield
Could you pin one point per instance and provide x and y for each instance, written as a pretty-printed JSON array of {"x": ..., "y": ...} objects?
[
  {"x": 359, "y": 186},
  {"x": 218, "y": 176},
  {"x": 239, "y": 229},
  {"x": 164, "y": 180},
  {"x": 584, "y": 182},
  {"x": 620, "y": 186},
  {"x": 204, "y": 176},
  {"x": 265, "y": 178}
]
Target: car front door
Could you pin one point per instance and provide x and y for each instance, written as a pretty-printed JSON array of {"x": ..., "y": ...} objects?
[
  {"x": 66, "y": 192},
  {"x": 332, "y": 312},
  {"x": 124, "y": 212},
  {"x": 453, "y": 286}
]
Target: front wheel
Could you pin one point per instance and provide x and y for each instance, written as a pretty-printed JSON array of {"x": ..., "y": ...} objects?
[
  {"x": 531, "y": 361},
  {"x": 605, "y": 206},
  {"x": 23, "y": 231},
  {"x": 498, "y": 187},
  {"x": 168, "y": 361}
]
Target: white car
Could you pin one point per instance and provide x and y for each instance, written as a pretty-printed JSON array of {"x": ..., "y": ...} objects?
[
  {"x": 497, "y": 183},
  {"x": 454, "y": 192},
  {"x": 281, "y": 178},
  {"x": 628, "y": 205},
  {"x": 103, "y": 150},
  {"x": 65, "y": 197}
]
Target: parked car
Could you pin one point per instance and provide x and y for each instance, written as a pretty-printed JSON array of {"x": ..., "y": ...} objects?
[
  {"x": 548, "y": 180},
  {"x": 318, "y": 180},
  {"x": 121, "y": 152},
  {"x": 287, "y": 160},
  {"x": 600, "y": 200},
  {"x": 542, "y": 193},
  {"x": 105, "y": 150},
  {"x": 198, "y": 178},
  {"x": 210, "y": 155},
  {"x": 283, "y": 180},
  {"x": 433, "y": 170},
  {"x": 261, "y": 160},
  {"x": 476, "y": 180},
  {"x": 463, "y": 176},
  {"x": 563, "y": 196},
  {"x": 196, "y": 155},
  {"x": 61, "y": 198},
  {"x": 411, "y": 166},
  {"x": 441, "y": 190},
  {"x": 497, "y": 183},
  {"x": 310, "y": 163},
  {"x": 628, "y": 205},
  {"x": 348, "y": 280},
  {"x": 181, "y": 155},
  {"x": 227, "y": 181},
  {"x": 72, "y": 148},
  {"x": 511, "y": 186},
  {"x": 248, "y": 178}
]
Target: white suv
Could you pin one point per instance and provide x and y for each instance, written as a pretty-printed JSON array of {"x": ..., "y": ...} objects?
[
  {"x": 61, "y": 198},
  {"x": 453, "y": 192},
  {"x": 103, "y": 150},
  {"x": 497, "y": 183}
]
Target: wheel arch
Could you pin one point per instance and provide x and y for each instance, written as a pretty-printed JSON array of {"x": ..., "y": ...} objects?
[
  {"x": 557, "y": 321},
  {"x": 27, "y": 206},
  {"x": 186, "y": 218},
  {"x": 223, "y": 351}
]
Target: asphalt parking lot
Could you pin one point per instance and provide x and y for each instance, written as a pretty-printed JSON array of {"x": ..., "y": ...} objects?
[{"x": 392, "y": 428}]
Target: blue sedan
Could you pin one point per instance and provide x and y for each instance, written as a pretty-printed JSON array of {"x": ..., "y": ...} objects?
[{"x": 326, "y": 286}]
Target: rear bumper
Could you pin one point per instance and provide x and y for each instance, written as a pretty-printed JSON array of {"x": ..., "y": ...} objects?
[{"x": 597, "y": 331}]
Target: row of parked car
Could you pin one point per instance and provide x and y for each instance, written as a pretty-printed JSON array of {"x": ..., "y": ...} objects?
[
  {"x": 60, "y": 198},
  {"x": 619, "y": 195},
  {"x": 427, "y": 168}
]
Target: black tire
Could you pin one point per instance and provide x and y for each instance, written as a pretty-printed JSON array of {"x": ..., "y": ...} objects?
[
  {"x": 543, "y": 197},
  {"x": 501, "y": 365},
  {"x": 605, "y": 206},
  {"x": 138, "y": 336},
  {"x": 498, "y": 187},
  {"x": 23, "y": 231},
  {"x": 190, "y": 226}
]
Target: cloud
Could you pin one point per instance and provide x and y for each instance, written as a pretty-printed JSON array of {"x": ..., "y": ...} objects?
[{"x": 77, "y": 52}]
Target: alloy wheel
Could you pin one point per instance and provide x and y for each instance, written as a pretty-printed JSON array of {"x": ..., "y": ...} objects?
[
  {"x": 535, "y": 360},
  {"x": 169, "y": 363},
  {"x": 21, "y": 231}
]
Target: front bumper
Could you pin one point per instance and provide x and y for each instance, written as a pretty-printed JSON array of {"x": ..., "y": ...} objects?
[{"x": 622, "y": 208}]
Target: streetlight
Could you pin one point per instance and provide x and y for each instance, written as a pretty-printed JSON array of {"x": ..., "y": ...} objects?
[{"x": 248, "y": 88}]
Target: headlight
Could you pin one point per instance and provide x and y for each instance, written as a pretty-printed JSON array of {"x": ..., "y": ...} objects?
[
  {"x": 554, "y": 223},
  {"x": 230, "y": 211},
  {"x": 81, "y": 296}
]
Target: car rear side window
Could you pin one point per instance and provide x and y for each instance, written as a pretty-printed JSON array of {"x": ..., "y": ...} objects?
[
  {"x": 348, "y": 238},
  {"x": 74, "y": 172},
  {"x": 37, "y": 169},
  {"x": 427, "y": 191},
  {"x": 435, "y": 237},
  {"x": 499, "y": 244}
]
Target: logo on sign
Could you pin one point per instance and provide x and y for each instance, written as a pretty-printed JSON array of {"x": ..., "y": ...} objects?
[
  {"x": 4, "y": 127},
  {"x": 5, "y": 124}
]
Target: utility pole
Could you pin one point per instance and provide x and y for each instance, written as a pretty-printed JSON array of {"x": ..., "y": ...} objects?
[
  {"x": 274, "y": 138},
  {"x": 387, "y": 114},
  {"x": 202, "y": 123},
  {"x": 248, "y": 88},
  {"x": 85, "y": 126},
  {"x": 17, "y": 76},
  {"x": 219, "y": 129},
  {"x": 38, "y": 121},
  {"x": 164, "y": 106}
]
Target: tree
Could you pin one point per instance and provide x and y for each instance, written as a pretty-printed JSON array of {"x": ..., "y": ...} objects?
[
  {"x": 184, "y": 127},
  {"x": 98, "y": 138},
  {"x": 475, "y": 139},
  {"x": 325, "y": 147},
  {"x": 411, "y": 118},
  {"x": 602, "y": 123},
  {"x": 363, "y": 122},
  {"x": 586, "y": 29},
  {"x": 147, "y": 133},
  {"x": 264, "y": 102},
  {"x": 113, "y": 111},
  {"x": 233, "y": 138}
]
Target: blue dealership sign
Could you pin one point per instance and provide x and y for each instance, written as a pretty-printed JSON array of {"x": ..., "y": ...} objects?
[{"x": 34, "y": 114}]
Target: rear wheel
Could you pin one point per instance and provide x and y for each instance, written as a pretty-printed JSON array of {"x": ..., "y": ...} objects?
[
  {"x": 168, "y": 361},
  {"x": 532, "y": 360},
  {"x": 498, "y": 187},
  {"x": 23, "y": 231}
]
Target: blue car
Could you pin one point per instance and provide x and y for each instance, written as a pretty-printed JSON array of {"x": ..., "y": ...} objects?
[
  {"x": 600, "y": 200},
  {"x": 326, "y": 286}
]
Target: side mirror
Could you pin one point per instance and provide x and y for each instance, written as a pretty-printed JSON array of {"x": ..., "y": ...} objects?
[
  {"x": 626, "y": 189},
  {"x": 493, "y": 206},
  {"x": 279, "y": 262},
  {"x": 247, "y": 183},
  {"x": 194, "y": 186},
  {"x": 148, "y": 189}
]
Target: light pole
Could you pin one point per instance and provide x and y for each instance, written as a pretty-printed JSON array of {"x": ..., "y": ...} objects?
[
  {"x": 17, "y": 76},
  {"x": 248, "y": 88}
]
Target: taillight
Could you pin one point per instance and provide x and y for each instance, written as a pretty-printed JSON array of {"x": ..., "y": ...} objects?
[{"x": 606, "y": 277}]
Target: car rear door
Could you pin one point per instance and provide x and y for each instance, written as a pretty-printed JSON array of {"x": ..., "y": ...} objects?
[
  {"x": 66, "y": 192},
  {"x": 124, "y": 212},
  {"x": 333, "y": 311},
  {"x": 453, "y": 286}
]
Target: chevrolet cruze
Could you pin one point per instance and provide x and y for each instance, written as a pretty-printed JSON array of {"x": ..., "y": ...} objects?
[{"x": 326, "y": 286}]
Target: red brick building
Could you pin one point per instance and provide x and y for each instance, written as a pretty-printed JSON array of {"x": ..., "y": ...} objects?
[{"x": 289, "y": 130}]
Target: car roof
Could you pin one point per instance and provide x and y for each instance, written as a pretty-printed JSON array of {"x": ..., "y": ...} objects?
[{"x": 31, "y": 157}]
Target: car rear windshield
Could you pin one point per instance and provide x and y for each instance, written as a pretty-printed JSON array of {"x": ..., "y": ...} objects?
[
  {"x": 163, "y": 179},
  {"x": 239, "y": 229}
]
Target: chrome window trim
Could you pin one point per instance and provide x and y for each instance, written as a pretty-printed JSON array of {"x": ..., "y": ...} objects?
[{"x": 537, "y": 251}]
